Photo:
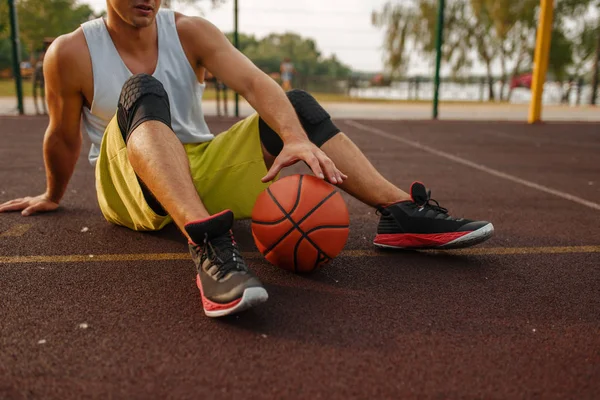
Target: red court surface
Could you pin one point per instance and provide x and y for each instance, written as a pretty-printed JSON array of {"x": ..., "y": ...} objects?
[{"x": 91, "y": 310}]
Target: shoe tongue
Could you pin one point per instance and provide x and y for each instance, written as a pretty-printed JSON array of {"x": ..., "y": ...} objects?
[
  {"x": 418, "y": 192},
  {"x": 214, "y": 226}
]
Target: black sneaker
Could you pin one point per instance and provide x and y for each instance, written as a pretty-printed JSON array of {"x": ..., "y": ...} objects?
[
  {"x": 226, "y": 284},
  {"x": 419, "y": 224}
]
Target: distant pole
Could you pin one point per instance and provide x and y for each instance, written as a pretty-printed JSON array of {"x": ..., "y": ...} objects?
[
  {"x": 14, "y": 35},
  {"x": 542, "y": 53},
  {"x": 236, "y": 42},
  {"x": 438, "y": 57},
  {"x": 596, "y": 72}
]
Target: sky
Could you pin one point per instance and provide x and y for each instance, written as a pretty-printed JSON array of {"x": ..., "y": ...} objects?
[{"x": 342, "y": 27}]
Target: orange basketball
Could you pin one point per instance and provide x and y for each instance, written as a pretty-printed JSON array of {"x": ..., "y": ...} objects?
[{"x": 300, "y": 223}]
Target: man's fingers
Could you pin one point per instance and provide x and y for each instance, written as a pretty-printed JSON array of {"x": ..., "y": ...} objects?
[
  {"x": 315, "y": 165},
  {"x": 14, "y": 205},
  {"x": 341, "y": 176},
  {"x": 38, "y": 207},
  {"x": 11, "y": 202},
  {"x": 328, "y": 168},
  {"x": 272, "y": 173},
  {"x": 333, "y": 173},
  {"x": 31, "y": 210},
  {"x": 28, "y": 211}
]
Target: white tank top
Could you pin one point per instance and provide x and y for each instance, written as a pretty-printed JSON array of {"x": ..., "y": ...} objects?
[{"x": 173, "y": 70}]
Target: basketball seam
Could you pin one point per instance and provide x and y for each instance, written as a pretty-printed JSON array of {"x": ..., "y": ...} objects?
[
  {"x": 328, "y": 227},
  {"x": 318, "y": 259},
  {"x": 319, "y": 251},
  {"x": 285, "y": 215},
  {"x": 296, "y": 253},
  {"x": 291, "y": 211},
  {"x": 297, "y": 225},
  {"x": 269, "y": 223}
]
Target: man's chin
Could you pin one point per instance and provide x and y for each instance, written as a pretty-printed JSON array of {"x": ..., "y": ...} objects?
[{"x": 142, "y": 22}]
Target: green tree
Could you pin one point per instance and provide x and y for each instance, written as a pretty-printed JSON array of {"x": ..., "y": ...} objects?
[
  {"x": 399, "y": 22},
  {"x": 596, "y": 67},
  {"x": 245, "y": 41},
  {"x": 511, "y": 26},
  {"x": 5, "y": 54},
  {"x": 267, "y": 54},
  {"x": 414, "y": 24},
  {"x": 4, "y": 20},
  {"x": 49, "y": 18},
  {"x": 561, "y": 54},
  {"x": 584, "y": 46},
  {"x": 478, "y": 35},
  {"x": 5, "y": 49},
  {"x": 584, "y": 36}
]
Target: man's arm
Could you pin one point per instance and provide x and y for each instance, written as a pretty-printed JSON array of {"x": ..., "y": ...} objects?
[
  {"x": 214, "y": 51},
  {"x": 62, "y": 140}
]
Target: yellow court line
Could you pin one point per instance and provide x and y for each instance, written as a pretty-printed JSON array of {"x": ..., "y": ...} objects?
[
  {"x": 79, "y": 258},
  {"x": 16, "y": 230}
]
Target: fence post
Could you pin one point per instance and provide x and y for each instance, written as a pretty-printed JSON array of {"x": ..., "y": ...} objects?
[
  {"x": 596, "y": 72},
  {"x": 438, "y": 57},
  {"x": 236, "y": 41},
  {"x": 16, "y": 52}
]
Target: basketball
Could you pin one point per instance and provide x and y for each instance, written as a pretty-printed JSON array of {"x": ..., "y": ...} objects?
[{"x": 300, "y": 223}]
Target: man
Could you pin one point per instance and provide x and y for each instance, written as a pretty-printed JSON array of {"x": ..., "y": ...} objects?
[
  {"x": 133, "y": 78},
  {"x": 287, "y": 73}
]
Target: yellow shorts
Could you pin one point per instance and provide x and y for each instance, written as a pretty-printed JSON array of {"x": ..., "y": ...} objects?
[{"x": 226, "y": 172}]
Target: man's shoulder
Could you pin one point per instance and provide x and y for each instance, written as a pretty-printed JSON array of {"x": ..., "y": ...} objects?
[
  {"x": 69, "y": 48},
  {"x": 69, "y": 58},
  {"x": 198, "y": 35},
  {"x": 187, "y": 24}
]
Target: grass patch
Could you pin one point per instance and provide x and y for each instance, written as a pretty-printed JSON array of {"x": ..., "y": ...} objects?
[{"x": 9, "y": 89}]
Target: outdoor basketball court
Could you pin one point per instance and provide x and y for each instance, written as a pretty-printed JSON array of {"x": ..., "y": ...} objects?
[{"x": 93, "y": 310}]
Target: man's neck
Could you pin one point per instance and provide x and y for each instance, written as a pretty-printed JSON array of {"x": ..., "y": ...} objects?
[{"x": 129, "y": 38}]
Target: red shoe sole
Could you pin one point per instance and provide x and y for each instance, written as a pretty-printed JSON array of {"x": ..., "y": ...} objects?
[
  {"x": 250, "y": 297},
  {"x": 408, "y": 240},
  {"x": 453, "y": 240}
]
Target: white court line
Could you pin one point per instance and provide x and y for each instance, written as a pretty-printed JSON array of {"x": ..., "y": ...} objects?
[{"x": 476, "y": 166}]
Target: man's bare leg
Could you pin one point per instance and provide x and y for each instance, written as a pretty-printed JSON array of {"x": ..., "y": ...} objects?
[
  {"x": 364, "y": 181},
  {"x": 159, "y": 159},
  {"x": 401, "y": 225},
  {"x": 226, "y": 284}
]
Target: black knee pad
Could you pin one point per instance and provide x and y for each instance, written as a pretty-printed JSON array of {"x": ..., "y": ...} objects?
[
  {"x": 143, "y": 98},
  {"x": 313, "y": 117}
]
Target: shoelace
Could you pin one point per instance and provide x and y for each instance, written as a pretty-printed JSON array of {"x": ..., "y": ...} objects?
[
  {"x": 435, "y": 207},
  {"x": 223, "y": 253},
  {"x": 428, "y": 205}
]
